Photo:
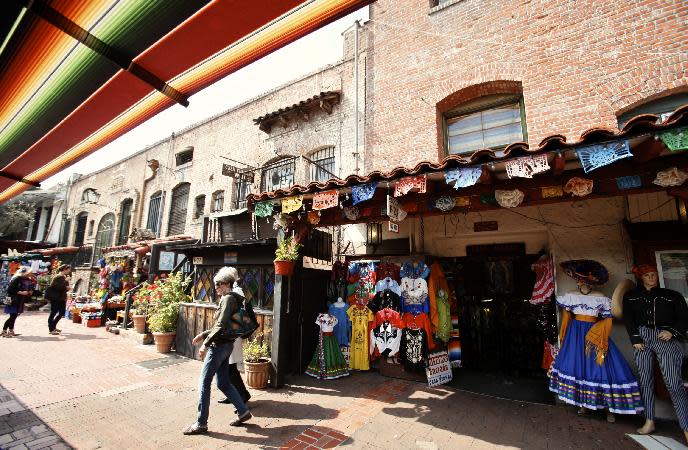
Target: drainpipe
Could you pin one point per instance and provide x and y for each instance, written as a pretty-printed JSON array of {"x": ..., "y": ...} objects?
[{"x": 356, "y": 155}]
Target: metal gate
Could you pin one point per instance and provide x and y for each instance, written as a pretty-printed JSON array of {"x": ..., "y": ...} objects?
[{"x": 178, "y": 207}]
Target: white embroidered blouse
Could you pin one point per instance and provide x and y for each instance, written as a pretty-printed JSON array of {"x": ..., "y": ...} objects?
[
  {"x": 587, "y": 305},
  {"x": 326, "y": 322}
]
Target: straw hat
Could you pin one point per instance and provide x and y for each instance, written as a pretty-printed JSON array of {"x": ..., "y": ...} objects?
[
  {"x": 624, "y": 286},
  {"x": 586, "y": 271}
]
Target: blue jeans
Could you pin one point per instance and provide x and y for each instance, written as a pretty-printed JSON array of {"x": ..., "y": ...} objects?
[{"x": 216, "y": 363}]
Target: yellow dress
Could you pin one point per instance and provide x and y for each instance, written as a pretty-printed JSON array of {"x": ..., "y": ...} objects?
[{"x": 360, "y": 317}]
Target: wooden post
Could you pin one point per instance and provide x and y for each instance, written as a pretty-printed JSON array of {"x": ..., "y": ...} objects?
[{"x": 280, "y": 309}]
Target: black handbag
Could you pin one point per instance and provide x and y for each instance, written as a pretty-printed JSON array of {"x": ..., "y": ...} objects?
[{"x": 243, "y": 322}]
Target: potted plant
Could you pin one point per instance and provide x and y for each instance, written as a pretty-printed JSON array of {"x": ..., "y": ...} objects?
[
  {"x": 163, "y": 314},
  {"x": 286, "y": 255},
  {"x": 257, "y": 361},
  {"x": 144, "y": 297}
]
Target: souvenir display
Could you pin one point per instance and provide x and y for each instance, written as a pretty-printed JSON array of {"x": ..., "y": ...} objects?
[
  {"x": 544, "y": 280},
  {"x": 363, "y": 192},
  {"x": 342, "y": 328},
  {"x": 360, "y": 317},
  {"x": 264, "y": 209},
  {"x": 509, "y": 199},
  {"x": 589, "y": 371},
  {"x": 630, "y": 182},
  {"x": 395, "y": 212},
  {"x": 578, "y": 187},
  {"x": 463, "y": 177},
  {"x": 325, "y": 200},
  {"x": 352, "y": 212},
  {"x": 445, "y": 203},
  {"x": 362, "y": 280},
  {"x": 670, "y": 177},
  {"x": 328, "y": 361},
  {"x": 676, "y": 139},
  {"x": 552, "y": 192},
  {"x": 438, "y": 295},
  {"x": 291, "y": 204},
  {"x": 527, "y": 166},
  {"x": 407, "y": 184},
  {"x": 595, "y": 156}
]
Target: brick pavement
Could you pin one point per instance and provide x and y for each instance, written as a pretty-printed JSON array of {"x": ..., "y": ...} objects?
[{"x": 88, "y": 388}]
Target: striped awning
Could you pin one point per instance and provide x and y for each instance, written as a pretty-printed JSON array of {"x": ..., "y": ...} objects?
[{"x": 76, "y": 75}]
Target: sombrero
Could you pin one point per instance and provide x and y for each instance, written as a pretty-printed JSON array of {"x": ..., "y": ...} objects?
[{"x": 586, "y": 271}]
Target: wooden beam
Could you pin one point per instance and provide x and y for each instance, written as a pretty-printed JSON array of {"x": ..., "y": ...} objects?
[{"x": 326, "y": 106}]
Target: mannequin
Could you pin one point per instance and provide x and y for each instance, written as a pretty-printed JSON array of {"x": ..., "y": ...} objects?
[
  {"x": 655, "y": 319},
  {"x": 342, "y": 330},
  {"x": 339, "y": 303},
  {"x": 328, "y": 362},
  {"x": 589, "y": 371}
]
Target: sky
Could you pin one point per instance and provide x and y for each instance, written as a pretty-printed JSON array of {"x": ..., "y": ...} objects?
[{"x": 311, "y": 52}]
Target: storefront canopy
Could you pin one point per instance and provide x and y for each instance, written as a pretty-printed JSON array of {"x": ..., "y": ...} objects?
[{"x": 76, "y": 75}]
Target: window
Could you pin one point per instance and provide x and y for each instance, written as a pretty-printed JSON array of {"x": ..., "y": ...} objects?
[
  {"x": 322, "y": 164},
  {"x": 64, "y": 239},
  {"x": 493, "y": 122},
  {"x": 218, "y": 201},
  {"x": 257, "y": 283},
  {"x": 241, "y": 190},
  {"x": 185, "y": 156},
  {"x": 662, "y": 107},
  {"x": 80, "y": 233},
  {"x": 36, "y": 222},
  {"x": 106, "y": 231},
  {"x": 47, "y": 225},
  {"x": 124, "y": 221},
  {"x": 178, "y": 207},
  {"x": 199, "y": 206},
  {"x": 672, "y": 266},
  {"x": 154, "y": 212},
  {"x": 277, "y": 175},
  {"x": 91, "y": 225}
]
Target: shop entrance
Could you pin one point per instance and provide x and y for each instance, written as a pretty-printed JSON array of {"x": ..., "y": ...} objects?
[{"x": 502, "y": 333}]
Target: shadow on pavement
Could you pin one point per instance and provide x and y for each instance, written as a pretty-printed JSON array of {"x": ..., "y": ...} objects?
[{"x": 81, "y": 337}]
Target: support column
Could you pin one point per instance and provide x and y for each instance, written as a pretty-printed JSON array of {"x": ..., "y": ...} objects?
[{"x": 280, "y": 347}]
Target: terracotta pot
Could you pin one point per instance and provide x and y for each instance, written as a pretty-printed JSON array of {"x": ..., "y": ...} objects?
[
  {"x": 76, "y": 318},
  {"x": 163, "y": 341},
  {"x": 139, "y": 323},
  {"x": 285, "y": 268},
  {"x": 257, "y": 373}
]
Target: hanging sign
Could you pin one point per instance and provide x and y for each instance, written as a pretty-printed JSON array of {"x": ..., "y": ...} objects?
[
  {"x": 325, "y": 200},
  {"x": 488, "y": 225},
  {"x": 463, "y": 202},
  {"x": 291, "y": 204},
  {"x": 672, "y": 176},
  {"x": 407, "y": 184},
  {"x": 527, "y": 166},
  {"x": 438, "y": 370},
  {"x": 393, "y": 227},
  {"x": 394, "y": 210},
  {"x": 363, "y": 192},
  {"x": 197, "y": 260},
  {"x": 629, "y": 182},
  {"x": 244, "y": 174},
  {"x": 578, "y": 187},
  {"x": 596, "y": 156},
  {"x": 675, "y": 140},
  {"x": 264, "y": 209},
  {"x": 466, "y": 176}
]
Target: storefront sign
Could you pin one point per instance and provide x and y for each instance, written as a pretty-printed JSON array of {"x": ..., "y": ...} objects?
[
  {"x": 197, "y": 260},
  {"x": 166, "y": 261},
  {"x": 393, "y": 227},
  {"x": 231, "y": 257},
  {"x": 490, "y": 225},
  {"x": 438, "y": 370},
  {"x": 240, "y": 174}
]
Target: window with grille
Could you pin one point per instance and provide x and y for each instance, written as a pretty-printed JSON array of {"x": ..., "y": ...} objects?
[
  {"x": 257, "y": 282},
  {"x": 154, "y": 205},
  {"x": 278, "y": 175},
  {"x": 178, "y": 208},
  {"x": 104, "y": 235},
  {"x": 218, "y": 201},
  {"x": 124, "y": 221},
  {"x": 490, "y": 122},
  {"x": 241, "y": 190},
  {"x": 199, "y": 206},
  {"x": 184, "y": 157},
  {"x": 80, "y": 234},
  {"x": 323, "y": 164}
]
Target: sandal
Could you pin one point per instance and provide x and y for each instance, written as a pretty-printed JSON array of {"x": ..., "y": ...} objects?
[{"x": 195, "y": 429}]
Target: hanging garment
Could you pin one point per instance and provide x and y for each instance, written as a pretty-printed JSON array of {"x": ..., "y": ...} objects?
[
  {"x": 413, "y": 351},
  {"x": 444, "y": 324},
  {"x": 342, "y": 330},
  {"x": 416, "y": 269},
  {"x": 360, "y": 317},
  {"x": 436, "y": 282},
  {"x": 414, "y": 295},
  {"x": 419, "y": 321},
  {"x": 454, "y": 345},
  {"x": 390, "y": 316},
  {"x": 387, "y": 283},
  {"x": 589, "y": 370},
  {"x": 544, "y": 280},
  {"x": 385, "y": 299},
  {"x": 328, "y": 361},
  {"x": 388, "y": 270},
  {"x": 362, "y": 279},
  {"x": 385, "y": 340}
]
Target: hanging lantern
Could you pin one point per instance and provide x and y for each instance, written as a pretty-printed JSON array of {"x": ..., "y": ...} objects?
[{"x": 373, "y": 233}]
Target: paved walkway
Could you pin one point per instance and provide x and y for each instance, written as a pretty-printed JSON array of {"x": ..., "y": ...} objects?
[{"x": 89, "y": 389}]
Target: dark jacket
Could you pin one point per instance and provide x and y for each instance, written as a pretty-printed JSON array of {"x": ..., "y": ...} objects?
[
  {"x": 18, "y": 284},
  {"x": 57, "y": 291},
  {"x": 220, "y": 333},
  {"x": 657, "y": 308}
]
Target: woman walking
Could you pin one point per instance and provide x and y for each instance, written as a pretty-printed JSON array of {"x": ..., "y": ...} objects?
[
  {"x": 57, "y": 295},
  {"x": 20, "y": 291},
  {"x": 216, "y": 349}
]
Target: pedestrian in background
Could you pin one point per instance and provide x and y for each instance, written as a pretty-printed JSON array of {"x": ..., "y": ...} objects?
[
  {"x": 20, "y": 290},
  {"x": 217, "y": 346},
  {"x": 57, "y": 295}
]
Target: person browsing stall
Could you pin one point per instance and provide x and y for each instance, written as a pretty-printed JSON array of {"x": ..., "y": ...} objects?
[
  {"x": 20, "y": 290},
  {"x": 57, "y": 295},
  {"x": 218, "y": 343}
]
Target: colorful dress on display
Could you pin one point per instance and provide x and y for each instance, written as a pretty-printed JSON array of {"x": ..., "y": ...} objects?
[
  {"x": 413, "y": 351},
  {"x": 385, "y": 340},
  {"x": 391, "y": 270},
  {"x": 361, "y": 280},
  {"x": 383, "y": 300},
  {"x": 328, "y": 361},
  {"x": 414, "y": 295},
  {"x": 342, "y": 330},
  {"x": 360, "y": 317},
  {"x": 589, "y": 370}
]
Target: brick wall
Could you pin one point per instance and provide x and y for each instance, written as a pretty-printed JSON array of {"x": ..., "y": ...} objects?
[{"x": 579, "y": 63}]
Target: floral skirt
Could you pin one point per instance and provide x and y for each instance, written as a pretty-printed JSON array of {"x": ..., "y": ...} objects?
[
  {"x": 328, "y": 361},
  {"x": 577, "y": 379}
]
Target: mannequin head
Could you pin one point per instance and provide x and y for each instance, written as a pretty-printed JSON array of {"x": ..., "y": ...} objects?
[
  {"x": 647, "y": 275},
  {"x": 584, "y": 288}
]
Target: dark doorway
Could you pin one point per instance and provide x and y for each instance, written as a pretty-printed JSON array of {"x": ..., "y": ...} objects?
[
  {"x": 313, "y": 300},
  {"x": 502, "y": 333}
]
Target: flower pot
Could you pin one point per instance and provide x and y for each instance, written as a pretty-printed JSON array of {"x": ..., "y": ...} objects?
[
  {"x": 139, "y": 323},
  {"x": 76, "y": 318},
  {"x": 257, "y": 373},
  {"x": 163, "y": 341},
  {"x": 285, "y": 268}
]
